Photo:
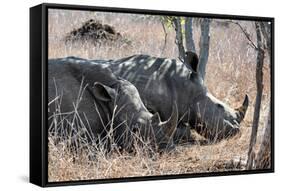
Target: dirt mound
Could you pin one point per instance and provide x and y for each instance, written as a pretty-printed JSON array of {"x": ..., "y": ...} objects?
[{"x": 93, "y": 30}]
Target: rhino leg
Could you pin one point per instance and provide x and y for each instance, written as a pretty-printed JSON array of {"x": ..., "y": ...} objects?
[
  {"x": 185, "y": 134},
  {"x": 182, "y": 134}
]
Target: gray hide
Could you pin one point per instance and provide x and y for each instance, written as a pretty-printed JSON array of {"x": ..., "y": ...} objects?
[
  {"x": 161, "y": 81},
  {"x": 104, "y": 108}
]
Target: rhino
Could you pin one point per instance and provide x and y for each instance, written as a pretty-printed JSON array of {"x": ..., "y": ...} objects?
[
  {"x": 162, "y": 81},
  {"x": 104, "y": 104}
]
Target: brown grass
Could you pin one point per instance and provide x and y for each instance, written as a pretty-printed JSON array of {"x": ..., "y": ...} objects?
[{"x": 230, "y": 75}]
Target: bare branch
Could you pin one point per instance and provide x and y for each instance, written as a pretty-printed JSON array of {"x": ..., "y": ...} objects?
[{"x": 245, "y": 33}]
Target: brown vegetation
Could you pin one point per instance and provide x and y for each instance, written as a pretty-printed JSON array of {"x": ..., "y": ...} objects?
[
  {"x": 94, "y": 32},
  {"x": 230, "y": 74}
]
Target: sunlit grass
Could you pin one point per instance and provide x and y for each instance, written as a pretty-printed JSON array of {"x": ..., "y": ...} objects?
[{"x": 230, "y": 75}]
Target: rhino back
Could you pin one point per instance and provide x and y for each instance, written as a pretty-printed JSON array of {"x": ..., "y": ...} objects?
[
  {"x": 160, "y": 81},
  {"x": 64, "y": 85}
]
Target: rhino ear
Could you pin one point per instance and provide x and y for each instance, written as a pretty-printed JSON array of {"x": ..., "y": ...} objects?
[
  {"x": 103, "y": 92},
  {"x": 192, "y": 60}
]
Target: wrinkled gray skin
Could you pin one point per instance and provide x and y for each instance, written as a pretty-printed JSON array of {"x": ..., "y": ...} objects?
[
  {"x": 103, "y": 92},
  {"x": 161, "y": 81}
]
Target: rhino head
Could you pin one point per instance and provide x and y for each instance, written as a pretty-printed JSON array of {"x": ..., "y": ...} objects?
[
  {"x": 131, "y": 117},
  {"x": 216, "y": 120},
  {"x": 211, "y": 117}
]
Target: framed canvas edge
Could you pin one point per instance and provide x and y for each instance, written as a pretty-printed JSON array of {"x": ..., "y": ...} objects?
[
  {"x": 43, "y": 51},
  {"x": 35, "y": 140},
  {"x": 272, "y": 91},
  {"x": 38, "y": 147},
  {"x": 156, "y": 178},
  {"x": 155, "y": 12}
]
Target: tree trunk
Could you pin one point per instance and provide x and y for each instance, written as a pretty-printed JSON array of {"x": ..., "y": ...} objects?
[
  {"x": 263, "y": 159},
  {"x": 259, "y": 84},
  {"x": 265, "y": 29},
  {"x": 179, "y": 41},
  {"x": 165, "y": 37},
  {"x": 189, "y": 42},
  {"x": 204, "y": 46}
]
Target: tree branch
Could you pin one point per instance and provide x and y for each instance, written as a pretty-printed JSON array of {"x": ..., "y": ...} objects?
[{"x": 245, "y": 33}]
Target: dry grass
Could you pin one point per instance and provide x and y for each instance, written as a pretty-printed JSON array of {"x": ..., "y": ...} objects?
[{"x": 230, "y": 75}]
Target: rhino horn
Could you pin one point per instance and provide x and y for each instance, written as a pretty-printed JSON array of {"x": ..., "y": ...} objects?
[
  {"x": 156, "y": 119},
  {"x": 241, "y": 111},
  {"x": 170, "y": 125}
]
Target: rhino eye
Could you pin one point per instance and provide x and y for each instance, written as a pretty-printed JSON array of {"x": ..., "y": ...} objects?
[{"x": 219, "y": 105}]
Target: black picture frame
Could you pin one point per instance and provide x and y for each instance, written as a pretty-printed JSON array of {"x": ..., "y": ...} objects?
[{"x": 38, "y": 93}]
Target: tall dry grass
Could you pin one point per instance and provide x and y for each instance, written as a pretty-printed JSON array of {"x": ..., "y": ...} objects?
[{"x": 230, "y": 75}]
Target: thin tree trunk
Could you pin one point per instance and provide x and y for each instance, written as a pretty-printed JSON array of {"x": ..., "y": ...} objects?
[
  {"x": 189, "y": 42},
  {"x": 265, "y": 29},
  {"x": 259, "y": 84},
  {"x": 179, "y": 41},
  {"x": 204, "y": 46},
  {"x": 263, "y": 159},
  {"x": 165, "y": 37}
]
